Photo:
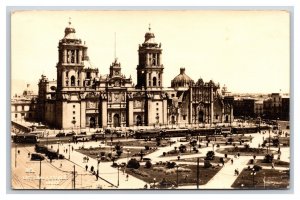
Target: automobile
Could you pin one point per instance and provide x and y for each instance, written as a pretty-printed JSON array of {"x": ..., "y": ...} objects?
[
  {"x": 37, "y": 156},
  {"x": 146, "y": 159},
  {"x": 60, "y": 134},
  {"x": 70, "y": 134}
]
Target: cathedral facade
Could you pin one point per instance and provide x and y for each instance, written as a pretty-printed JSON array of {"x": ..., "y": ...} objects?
[{"x": 82, "y": 97}]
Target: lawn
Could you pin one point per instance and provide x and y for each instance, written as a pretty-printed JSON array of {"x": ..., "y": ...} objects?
[
  {"x": 245, "y": 151},
  {"x": 216, "y": 160},
  {"x": 263, "y": 179},
  {"x": 164, "y": 177},
  {"x": 133, "y": 152},
  {"x": 141, "y": 143},
  {"x": 277, "y": 163}
]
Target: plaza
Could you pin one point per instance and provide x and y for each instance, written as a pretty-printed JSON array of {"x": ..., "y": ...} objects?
[{"x": 59, "y": 174}]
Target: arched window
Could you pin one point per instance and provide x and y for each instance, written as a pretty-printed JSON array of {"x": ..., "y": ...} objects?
[
  {"x": 72, "y": 80},
  {"x": 154, "y": 81}
]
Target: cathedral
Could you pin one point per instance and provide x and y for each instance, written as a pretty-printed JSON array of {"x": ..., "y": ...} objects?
[{"x": 81, "y": 97}]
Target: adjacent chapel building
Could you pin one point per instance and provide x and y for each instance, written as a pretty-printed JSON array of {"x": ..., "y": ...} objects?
[{"x": 82, "y": 97}]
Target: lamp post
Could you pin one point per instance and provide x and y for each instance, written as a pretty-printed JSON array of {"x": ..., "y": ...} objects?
[
  {"x": 16, "y": 154},
  {"x": 118, "y": 174},
  {"x": 253, "y": 173},
  {"x": 57, "y": 146},
  {"x": 98, "y": 163},
  {"x": 127, "y": 154},
  {"x": 177, "y": 166},
  {"x": 154, "y": 179},
  {"x": 69, "y": 149}
]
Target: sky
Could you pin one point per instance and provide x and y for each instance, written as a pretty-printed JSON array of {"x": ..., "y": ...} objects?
[{"x": 248, "y": 51}]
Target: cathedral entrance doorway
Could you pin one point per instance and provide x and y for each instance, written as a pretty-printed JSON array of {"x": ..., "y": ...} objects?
[
  {"x": 173, "y": 120},
  {"x": 138, "y": 120},
  {"x": 116, "y": 120},
  {"x": 92, "y": 122},
  {"x": 201, "y": 117}
]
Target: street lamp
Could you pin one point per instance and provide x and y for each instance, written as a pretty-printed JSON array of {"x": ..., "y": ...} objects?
[
  {"x": 118, "y": 174},
  {"x": 154, "y": 179},
  {"x": 69, "y": 149},
  {"x": 98, "y": 163},
  {"x": 57, "y": 146},
  {"x": 177, "y": 166},
  {"x": 128, "y": 154},
  {"x": 253, "y": 173}
]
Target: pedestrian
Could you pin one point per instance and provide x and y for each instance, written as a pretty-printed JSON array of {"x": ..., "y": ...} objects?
[
  {"x": 72, "y": 148},
  {"x": 51, "y": 147},
  {"x": 18, "y": 151},
  {"x": 60, "y": 164},
  {"x": 86, "y": 167},
  {"x": 92, "y": 168},
  {"x": 87, "y": 159},
  {"x": 146, "y": 186},
  {"x": 127, "y": 177},
  {"x": 66, "y": 150},
  {"x": 28, "y": 155},
  {"x": 254, "y": 156},
  {"x": 272, "y": 165},
  {"x": 231, "y": 161},
  {"x": 238, "y": 155}
]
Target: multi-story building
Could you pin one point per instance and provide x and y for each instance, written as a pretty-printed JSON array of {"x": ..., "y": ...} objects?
[
  {"x": 82, "y": 97},
  {"x": 24, "y": 107}
]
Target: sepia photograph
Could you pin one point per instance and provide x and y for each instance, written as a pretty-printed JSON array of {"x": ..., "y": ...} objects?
[{"x": 150, "y": 100}]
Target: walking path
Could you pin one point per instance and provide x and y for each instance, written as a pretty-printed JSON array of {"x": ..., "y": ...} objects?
[{"x": 112, "y": 178}]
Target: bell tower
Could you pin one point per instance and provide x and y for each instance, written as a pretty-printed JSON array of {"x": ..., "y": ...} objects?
[
  {"x": 71, "y": 56},
  {"x": 150, "y": 68}
]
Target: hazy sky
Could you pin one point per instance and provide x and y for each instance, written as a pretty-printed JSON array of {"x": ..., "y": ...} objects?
[{"x": 249, "y": 51}]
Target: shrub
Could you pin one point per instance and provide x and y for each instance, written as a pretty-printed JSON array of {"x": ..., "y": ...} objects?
[
  {"x": 173, "y": 152},
  {"x": 170, "y": 165},
  {"x": 257, "y": 168},
  {"x": 221, "y": 160},
  {"x": 133, "y": 163},
  {"x": 148, "y": 164},
  {"x": 210, "y": 155},
  {"x": 119, "y": 152},
  {"x": 268, "y": 158},
  {"x": 230, "y": 140},
  {"x": 182, "y": 148},
  {"x": 207, "y": 164}
]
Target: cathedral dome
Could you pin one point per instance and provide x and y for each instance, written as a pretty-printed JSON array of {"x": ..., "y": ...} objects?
[
  {"x": 149, "y": 36},
  {"x": 182, "y": 80},
  {"x": 70, "y": 32}
]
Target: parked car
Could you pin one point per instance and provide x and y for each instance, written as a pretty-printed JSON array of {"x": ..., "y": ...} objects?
[
  {"x": 60, "y": 134},
  {"x": 37, "y": 156},
  {"x": 70, "y": 134}
]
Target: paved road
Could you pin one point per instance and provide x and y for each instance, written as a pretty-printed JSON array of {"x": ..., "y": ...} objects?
[{"x": 111, "y": 179}]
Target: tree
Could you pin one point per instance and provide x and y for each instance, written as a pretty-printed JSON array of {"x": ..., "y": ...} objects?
[
  {"x": 268, "y": 158},
  {"x": 148, "y": 164},
  {"x": 133, "y": 163},
  {"x": 210, "y": 155}
]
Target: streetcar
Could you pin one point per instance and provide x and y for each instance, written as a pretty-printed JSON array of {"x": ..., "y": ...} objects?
[{"x": 25, "y": 138}]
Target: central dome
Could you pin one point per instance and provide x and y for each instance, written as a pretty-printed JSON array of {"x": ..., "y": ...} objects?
[{"x": 182, "y": 80}]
